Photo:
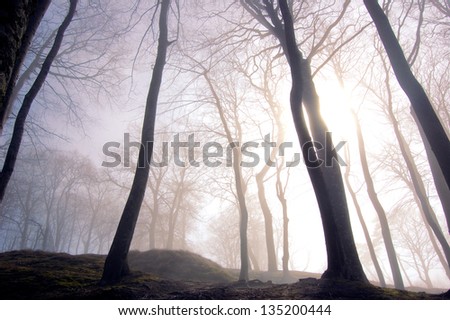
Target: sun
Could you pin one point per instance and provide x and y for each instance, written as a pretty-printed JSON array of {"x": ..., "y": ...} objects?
[{"x": 335, "y": 107}]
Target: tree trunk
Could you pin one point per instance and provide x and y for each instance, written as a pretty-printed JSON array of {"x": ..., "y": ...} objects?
[
  {"x": 268, "y": 223},
  {"x": 26, "y": 74},
  {"x": 282, "y": 199},
  {"x": 239, "y": 183},
  {"x": 425, "y": 114},
  {"x": 385, "y": 231},
  {"x": 343, "y": 260},
  {"x": 438, "y": 177},
  {"x": 19, "y": 126},
  {"x": 419, "y": 187},
  {"x": 441, "y": 257},
  {"x": 116, "y": 264},
  {"x": 373, "y": 255},
  {"x": 20, "y": 20}
]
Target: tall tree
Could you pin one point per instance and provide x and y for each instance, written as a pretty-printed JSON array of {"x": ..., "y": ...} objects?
[
  {"x": 19, "y": 22},
  {"x": 116, "y": 264},
  {"x": 385, "y": 230},
  {"x": 343, "y": 260},
  {"x": 19, "y": 126},
  {"x": 240, "y": 185},
  {"x": 425, "y": 114}
]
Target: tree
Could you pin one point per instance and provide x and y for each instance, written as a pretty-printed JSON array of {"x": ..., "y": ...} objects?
[
  {"x": 14, "y": 146},
  {"x": 369, "y": 242},
  {"x": 240, "y": 186},
  {"x": 385, "y": 230},
  {"x": 425, "y": 114},
  {"x": 343, "y": 260},
  {"x": 116, "y": 264},
  {"x": 20, "y": 21}
]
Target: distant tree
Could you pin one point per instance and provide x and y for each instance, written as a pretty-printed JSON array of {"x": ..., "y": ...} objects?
[
  {"x": 385, "y": 230},
  {"x": 240, "y": 185},
  {"x": 359, "y": 212}
]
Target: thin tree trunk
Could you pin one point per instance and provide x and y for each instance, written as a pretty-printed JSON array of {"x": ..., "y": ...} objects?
[
  {"x": 425, "y": 114},
  {"x": 19, "y": 126},
  {"x": 373, "y": 255},
  {"x": 116, "y": 264},
  {"x": 404, "y": 272},
  {"x": 253, "y": 259},
  {"x": 33, "y": 67},
  {"x": 385, "y": 231},
  {"x": 268, "y": 223},
  {"x": 282, "y": 199},
  {"x": 239, "y": 184}
]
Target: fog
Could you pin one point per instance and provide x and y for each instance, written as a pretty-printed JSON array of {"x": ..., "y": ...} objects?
[{"x": 225, "y": 100}]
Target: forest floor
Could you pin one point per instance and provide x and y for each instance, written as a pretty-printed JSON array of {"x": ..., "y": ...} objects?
[{"x": 167, "y": 275}]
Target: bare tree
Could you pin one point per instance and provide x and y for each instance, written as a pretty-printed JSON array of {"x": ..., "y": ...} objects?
[
  {"x": 393, "y": 262},
  {"x": 420, "y": 103},
  {"x": 23, "y": 19},
  {"x": 116, "y": 265},
  {"x": 13, "y": 150},
  {"x": 343, "y": 261}
]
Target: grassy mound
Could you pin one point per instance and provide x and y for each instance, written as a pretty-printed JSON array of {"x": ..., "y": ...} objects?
[
  {"x": 43, "y": 275},
  {"x": 178, "y": 265}
]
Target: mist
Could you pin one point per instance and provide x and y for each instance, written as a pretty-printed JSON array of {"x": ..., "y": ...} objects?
[{"x": 278, "y": 149}]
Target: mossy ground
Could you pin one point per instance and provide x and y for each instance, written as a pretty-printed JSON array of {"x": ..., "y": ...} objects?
[{"x": 41, "y": 275}]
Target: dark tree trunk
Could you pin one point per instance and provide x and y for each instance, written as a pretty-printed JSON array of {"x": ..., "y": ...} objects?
[
  {"x": 385, "y": 230},
  {"x": 425, "y": 114},
  {"x": 343, "y": 260},
  {"x": 419, "y": 187},
  {"x": 116, "y": 264},
  {"x": 14, "y": 146},
  {"x": 438, "y": 177},
  {"x": 19, "y": 22}
]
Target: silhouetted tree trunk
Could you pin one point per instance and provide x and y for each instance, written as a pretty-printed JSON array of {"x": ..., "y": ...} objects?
[
  {"x": 425, "y": 114},
  {"x": 19, "y": 22},
  {"x": 438, "y": 177},
  {"x": 343, "y": 260},
  {"x": 14, "y": 146},
  {"x": 385, "y": 230},
  {"x": 116, "y": 264},
  {"x": 419, "y": 186}
]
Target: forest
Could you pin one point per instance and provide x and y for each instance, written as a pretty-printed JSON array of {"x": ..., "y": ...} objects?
[{"x": 260, "y": 145}]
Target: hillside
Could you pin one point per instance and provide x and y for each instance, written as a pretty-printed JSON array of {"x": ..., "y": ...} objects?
[{"x": 172, "y": 275}]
